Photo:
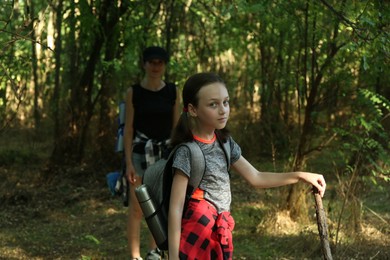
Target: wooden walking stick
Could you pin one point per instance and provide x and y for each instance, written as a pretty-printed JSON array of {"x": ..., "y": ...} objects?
[{"x": 322, "y": 226}]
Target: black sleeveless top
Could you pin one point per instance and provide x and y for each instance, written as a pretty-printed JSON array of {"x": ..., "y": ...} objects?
[{"x": 153, "y": 111}]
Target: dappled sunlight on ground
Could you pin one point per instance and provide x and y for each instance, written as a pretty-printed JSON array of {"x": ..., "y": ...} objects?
[
  {"x": 70, "y": 214},
  {"x": 112, "y": 211}
]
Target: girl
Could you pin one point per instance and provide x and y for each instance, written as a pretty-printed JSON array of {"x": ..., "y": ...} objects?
[
  {"x": 152, "y": 110},
  {"x": 204, "y": 229}
]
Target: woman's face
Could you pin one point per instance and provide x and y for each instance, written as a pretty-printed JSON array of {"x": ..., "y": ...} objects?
[
  {"x": 213, "y": 106},
  {"x": 154, "y": 68}
]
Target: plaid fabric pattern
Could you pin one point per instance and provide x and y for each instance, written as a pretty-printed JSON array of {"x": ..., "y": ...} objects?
[
  {"x": 205, "y": 233},
  {"x": 153, "y": 149}
]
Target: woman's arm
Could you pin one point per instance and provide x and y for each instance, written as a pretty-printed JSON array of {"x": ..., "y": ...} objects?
[
  {"x": 128, "y": 136},
  {"x": 176, "y": 204},
  {"x": 272, "y": 179},
  {"x": 176, "y": 111}
]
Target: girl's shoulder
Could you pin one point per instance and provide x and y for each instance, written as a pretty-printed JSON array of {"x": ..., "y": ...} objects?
[{"x": 235, "y": 150}]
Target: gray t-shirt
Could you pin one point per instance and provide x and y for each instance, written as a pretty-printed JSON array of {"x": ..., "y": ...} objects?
[{"x": 216, "y": 180}]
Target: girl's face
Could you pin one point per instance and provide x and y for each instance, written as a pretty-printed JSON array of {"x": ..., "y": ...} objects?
[
  {"x": 154, "y": 68},
  {"x": 213, "y": 108}
]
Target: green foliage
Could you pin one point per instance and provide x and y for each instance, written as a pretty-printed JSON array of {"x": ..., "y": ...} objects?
[
  {"x": 269, "y": 52},
  {"x": 365, "y": 141},
  {"x": 378, "y": 105}
]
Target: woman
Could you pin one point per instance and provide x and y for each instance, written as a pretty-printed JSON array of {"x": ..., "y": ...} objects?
[
  {"x": 203, "y": 228},
  {"x": 152, "y": 110}
]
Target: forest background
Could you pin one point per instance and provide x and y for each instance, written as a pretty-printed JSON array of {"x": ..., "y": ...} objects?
[{"x": 309, "y": 88}]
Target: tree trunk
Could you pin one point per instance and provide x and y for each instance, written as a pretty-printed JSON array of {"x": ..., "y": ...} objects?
[
  {"x": 296, "y": 200},
  {"x": 56, "y": 94},
  {"x": 106, "y": 128},
  {"x": 69, "y": 144},
  {"x": 84, "y": 96},
  {"x": 34, "y": 62}
]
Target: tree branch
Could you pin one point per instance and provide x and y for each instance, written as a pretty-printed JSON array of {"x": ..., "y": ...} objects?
[
  {"x": 321, "y": 146},
  {"x": 25, "y": 37},
  {"x": 362, "y": 33},
  {"x": 339, "y": 14}
]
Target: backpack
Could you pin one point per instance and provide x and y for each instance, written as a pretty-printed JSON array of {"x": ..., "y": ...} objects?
[
  {"x": 117, "y": 181},
  {"x": 154, "y": 193}
]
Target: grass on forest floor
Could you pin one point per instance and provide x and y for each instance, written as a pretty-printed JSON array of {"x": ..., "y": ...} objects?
[{"x": 70, "y": 214}]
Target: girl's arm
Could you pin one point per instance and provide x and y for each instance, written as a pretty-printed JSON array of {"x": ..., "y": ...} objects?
[
  {"x": 272, "y": 179},
  {"x": 128, "y": 136},
  {"x": 175, "y": 214}
]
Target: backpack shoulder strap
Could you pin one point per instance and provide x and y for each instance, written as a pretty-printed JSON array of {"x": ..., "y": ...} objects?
[
  {"x": 226, "y": 147},
  {"x": 198, "y": 165}
]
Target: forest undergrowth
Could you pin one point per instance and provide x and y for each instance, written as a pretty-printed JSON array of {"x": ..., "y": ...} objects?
[{"x": 69, "y": 213}]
